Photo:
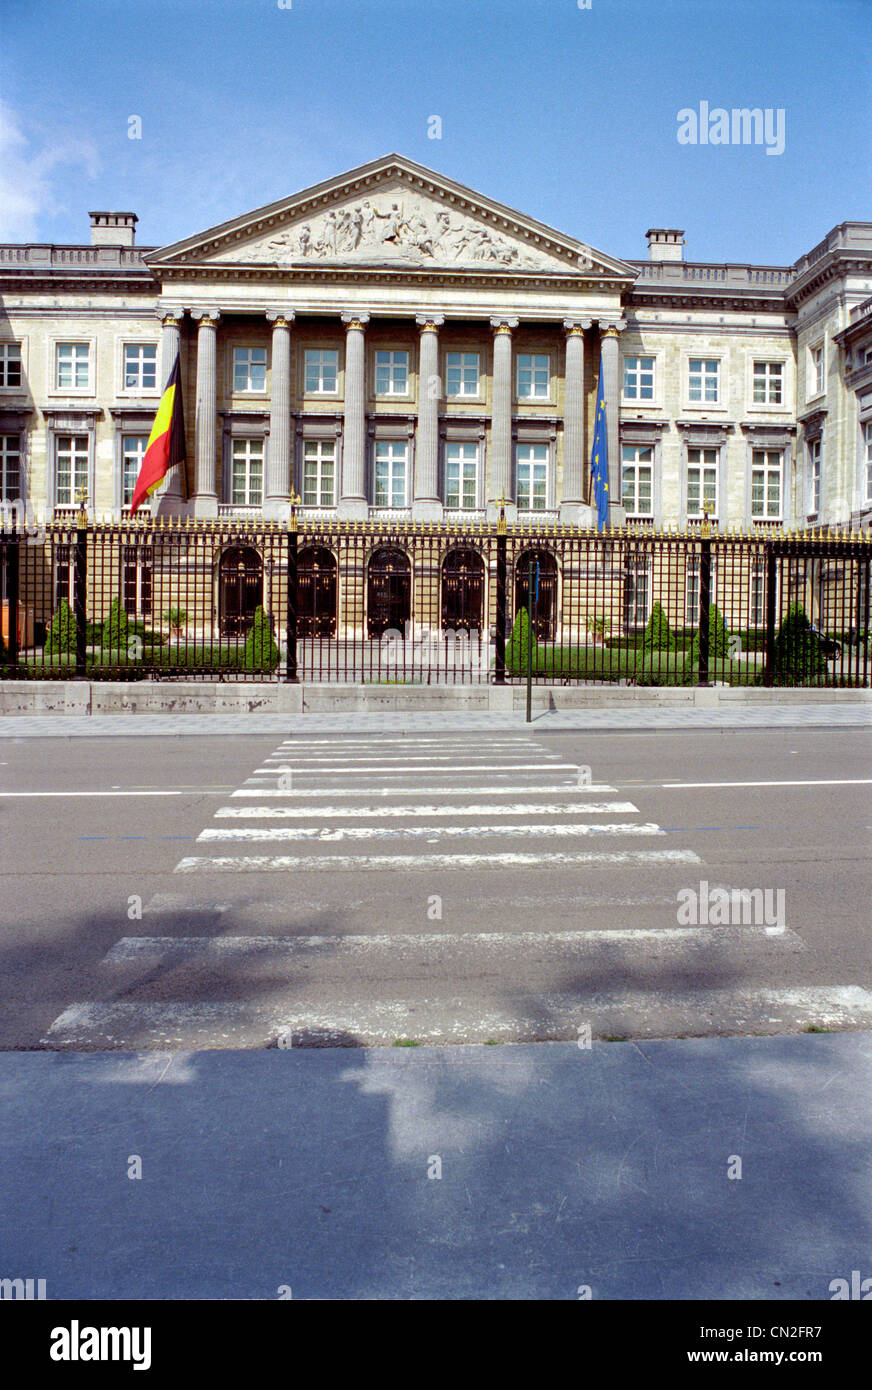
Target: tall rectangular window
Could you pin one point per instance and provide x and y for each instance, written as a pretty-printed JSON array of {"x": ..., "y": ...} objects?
[
  {"x": 249, "y": 369},
  {"x": 461, "y": 476},
  {"x": 757, "y": 594},
  {"x": 704, "y": 380},
  {"x": 638, "y": 378},
  {"x": 71, "y": 468},
  {"x": 817, "y": 370},
  {"x": 702, "y": 482},
  {"x": 867, "y": 447},
  {"x": 319, "y": 473},
  {"x": 390, "y": 474},
  {"x": 322, "y": 371},
  {"x": 133, "y": 447},
  {"x": 637, "y": 595},
  {"x": 768, "y": 383},
  {"x": 533, "y": 376},
  {"x": 10, "y": 467},
  {"x": 136, "y": 580},
  {"x": 691, "y": 592},
  {"x": 10, "y": 364},
  {"x": 246, "y": 481},
  {"x": 391, "y": 373},
  {"x": 637, "y": 475},
  {"x": 461, "y": 374},
  {"x": 72, "y": 366},
  {"x": 814, "y": 477},
  {"x": 766, "y": 485},
  {"x": 532, "y": 463},
  {"x": 140, "y": 366}
]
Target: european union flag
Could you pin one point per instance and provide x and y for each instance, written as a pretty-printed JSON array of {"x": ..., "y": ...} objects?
[{"x": 599, "y": 458}]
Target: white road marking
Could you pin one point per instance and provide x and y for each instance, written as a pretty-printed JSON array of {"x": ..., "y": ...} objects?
[
  {"x": 518, "y": 808},
  {"x": 431, "y": 791},
  {"x": 484, "y": 760},
  {"x": 347, "y": 770},
  {"x": 170, "y": 792},
  {"x": 387, "y": 863},
  {"x": 452, "y": 1020},
  {"x": 151, "y": 948},
  {"x": 812, "y": 782},
  {"x": 333, "y": 834}
]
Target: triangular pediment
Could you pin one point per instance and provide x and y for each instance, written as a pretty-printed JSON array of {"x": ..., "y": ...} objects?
[{"x": 391, "y": 215}]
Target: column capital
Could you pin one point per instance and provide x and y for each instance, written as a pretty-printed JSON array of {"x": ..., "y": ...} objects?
[
  {"x": 503, "y": 323},
  {"x": 169, "y": 318},
  {"x": 281, "y": 318},
  {"x": 611, "y": 327},
  {"x": 355, "y": 319},
  {"x": 429, "y": 323},
  {"x": 576, "y": 327},
  {"x": 206, "y": 318}
]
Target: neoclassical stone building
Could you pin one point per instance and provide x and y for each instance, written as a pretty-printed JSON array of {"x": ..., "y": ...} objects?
[{"x": 392, "y": 343}]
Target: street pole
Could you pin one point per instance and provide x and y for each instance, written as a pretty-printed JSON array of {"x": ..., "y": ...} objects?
[{"x": 530, "y": 642}]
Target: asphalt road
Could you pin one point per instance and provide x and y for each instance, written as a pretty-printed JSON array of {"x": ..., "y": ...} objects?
[{"x": 193, "y": 893}]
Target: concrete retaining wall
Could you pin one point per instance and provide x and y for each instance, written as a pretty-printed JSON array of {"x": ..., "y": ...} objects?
[{"x": 215, "y": 697}]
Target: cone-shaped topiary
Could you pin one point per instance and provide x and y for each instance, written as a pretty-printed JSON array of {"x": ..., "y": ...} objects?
[
  {"x": 719, "y": 638},
  {"x": 116, "y": 628},
  {"x": 798, "y": 651},
  {"x": 658, "y": 634},
  {"x": 62, "y": 633},
  {"x": 519, "y": 644},
  {"x": 261, "y": 652}
]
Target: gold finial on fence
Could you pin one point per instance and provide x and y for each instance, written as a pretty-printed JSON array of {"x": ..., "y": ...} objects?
[
  {"x": 82, "y": 499},
  {"x": 293, "y": 525}
]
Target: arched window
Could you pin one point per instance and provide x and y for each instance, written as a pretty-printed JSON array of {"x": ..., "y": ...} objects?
[
  {"x": 462, "y": 591},
  {"x": 316, "y": 592},
  {"x": 240, "y": 589},
  {"x": 388, "y": 592},
  {"x": 544, "y": 605}
]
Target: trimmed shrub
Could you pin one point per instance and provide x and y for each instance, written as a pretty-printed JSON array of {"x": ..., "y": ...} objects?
[
  {"x": 62, "y": 633},
  {"x": 261, "y": 652},
  {"x": 519, "y": 644},
  {"x": 116, "y": 629},
  {"x": 658, "y": 634},
  {"x": 798, "y": 653},
  {"x": 719, "y": 638}
]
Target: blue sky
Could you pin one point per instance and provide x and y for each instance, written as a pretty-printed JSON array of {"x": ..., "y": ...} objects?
[{"x": 567, "y": 114}]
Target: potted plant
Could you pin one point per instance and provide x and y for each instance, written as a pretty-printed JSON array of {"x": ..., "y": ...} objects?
[{"x": 176, "y": 618}]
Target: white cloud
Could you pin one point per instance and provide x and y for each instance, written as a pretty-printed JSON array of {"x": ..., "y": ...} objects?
[{"x": 28, "y": 166}]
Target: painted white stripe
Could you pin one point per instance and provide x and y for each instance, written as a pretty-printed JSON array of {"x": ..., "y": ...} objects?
[
  {"x": 386, "y": 863},
  {"x": 561, "y": 787},
  {"x": 483, "y": 762},
  {"x": 347, "y": 770},
  {"x": 518, "y": 808},
  {"x": 168, "y": 792},
  {"x": 812, "y": 782},
  {"x": 406, "y": 741},
  {"x": 152, "y": 948},
  {"x": 380, "y": 1022},
  {"x": 369, "y": 832}
]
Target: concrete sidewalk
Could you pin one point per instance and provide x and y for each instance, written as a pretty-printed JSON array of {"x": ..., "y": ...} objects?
[
  {"x": 635, "y": 716},
  {"x": 562, "y": 1168}
]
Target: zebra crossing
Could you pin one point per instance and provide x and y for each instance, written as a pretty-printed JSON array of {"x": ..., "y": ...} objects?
[{"x": 439, "y": 817}]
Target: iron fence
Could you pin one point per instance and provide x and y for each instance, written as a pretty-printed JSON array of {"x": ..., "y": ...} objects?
[{"x": 423, "y": 603}]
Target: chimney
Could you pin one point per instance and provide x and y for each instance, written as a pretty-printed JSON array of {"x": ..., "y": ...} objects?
[
  {"x": 664, "y": 244},
  {"x": 113, "y": 228}
]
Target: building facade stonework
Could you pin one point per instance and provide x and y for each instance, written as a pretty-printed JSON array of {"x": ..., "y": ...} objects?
[{"x": 390, "y": 342}]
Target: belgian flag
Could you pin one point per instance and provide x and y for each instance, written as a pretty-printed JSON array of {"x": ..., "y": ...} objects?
[{"x": 166, "y": 443}]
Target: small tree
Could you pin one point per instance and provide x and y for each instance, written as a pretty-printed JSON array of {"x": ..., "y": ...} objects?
[
  {"x": 116, "y": 628},
  {"x": 719, "y": 638},
  {"x": 261, "y": 652},
  {"x": 519, "y": 644},
  {"x": 62, "y": 633},
  {"x": 798, "y": 653},
  {"x": 658, "y": 634}
]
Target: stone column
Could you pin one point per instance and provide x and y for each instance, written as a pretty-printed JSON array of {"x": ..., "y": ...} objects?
[
  {"x": 352, "y": 488},
  {"x": 278, "y": 482},
  {"x": 611, "y": 386},
  {"x": 574, "y": 506},
  {"x": 501, "y": 472},
  {"x": 427, "y": 505},
  {"x": 205, "y": 490},
  {"x": 170, "y": 500}
]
